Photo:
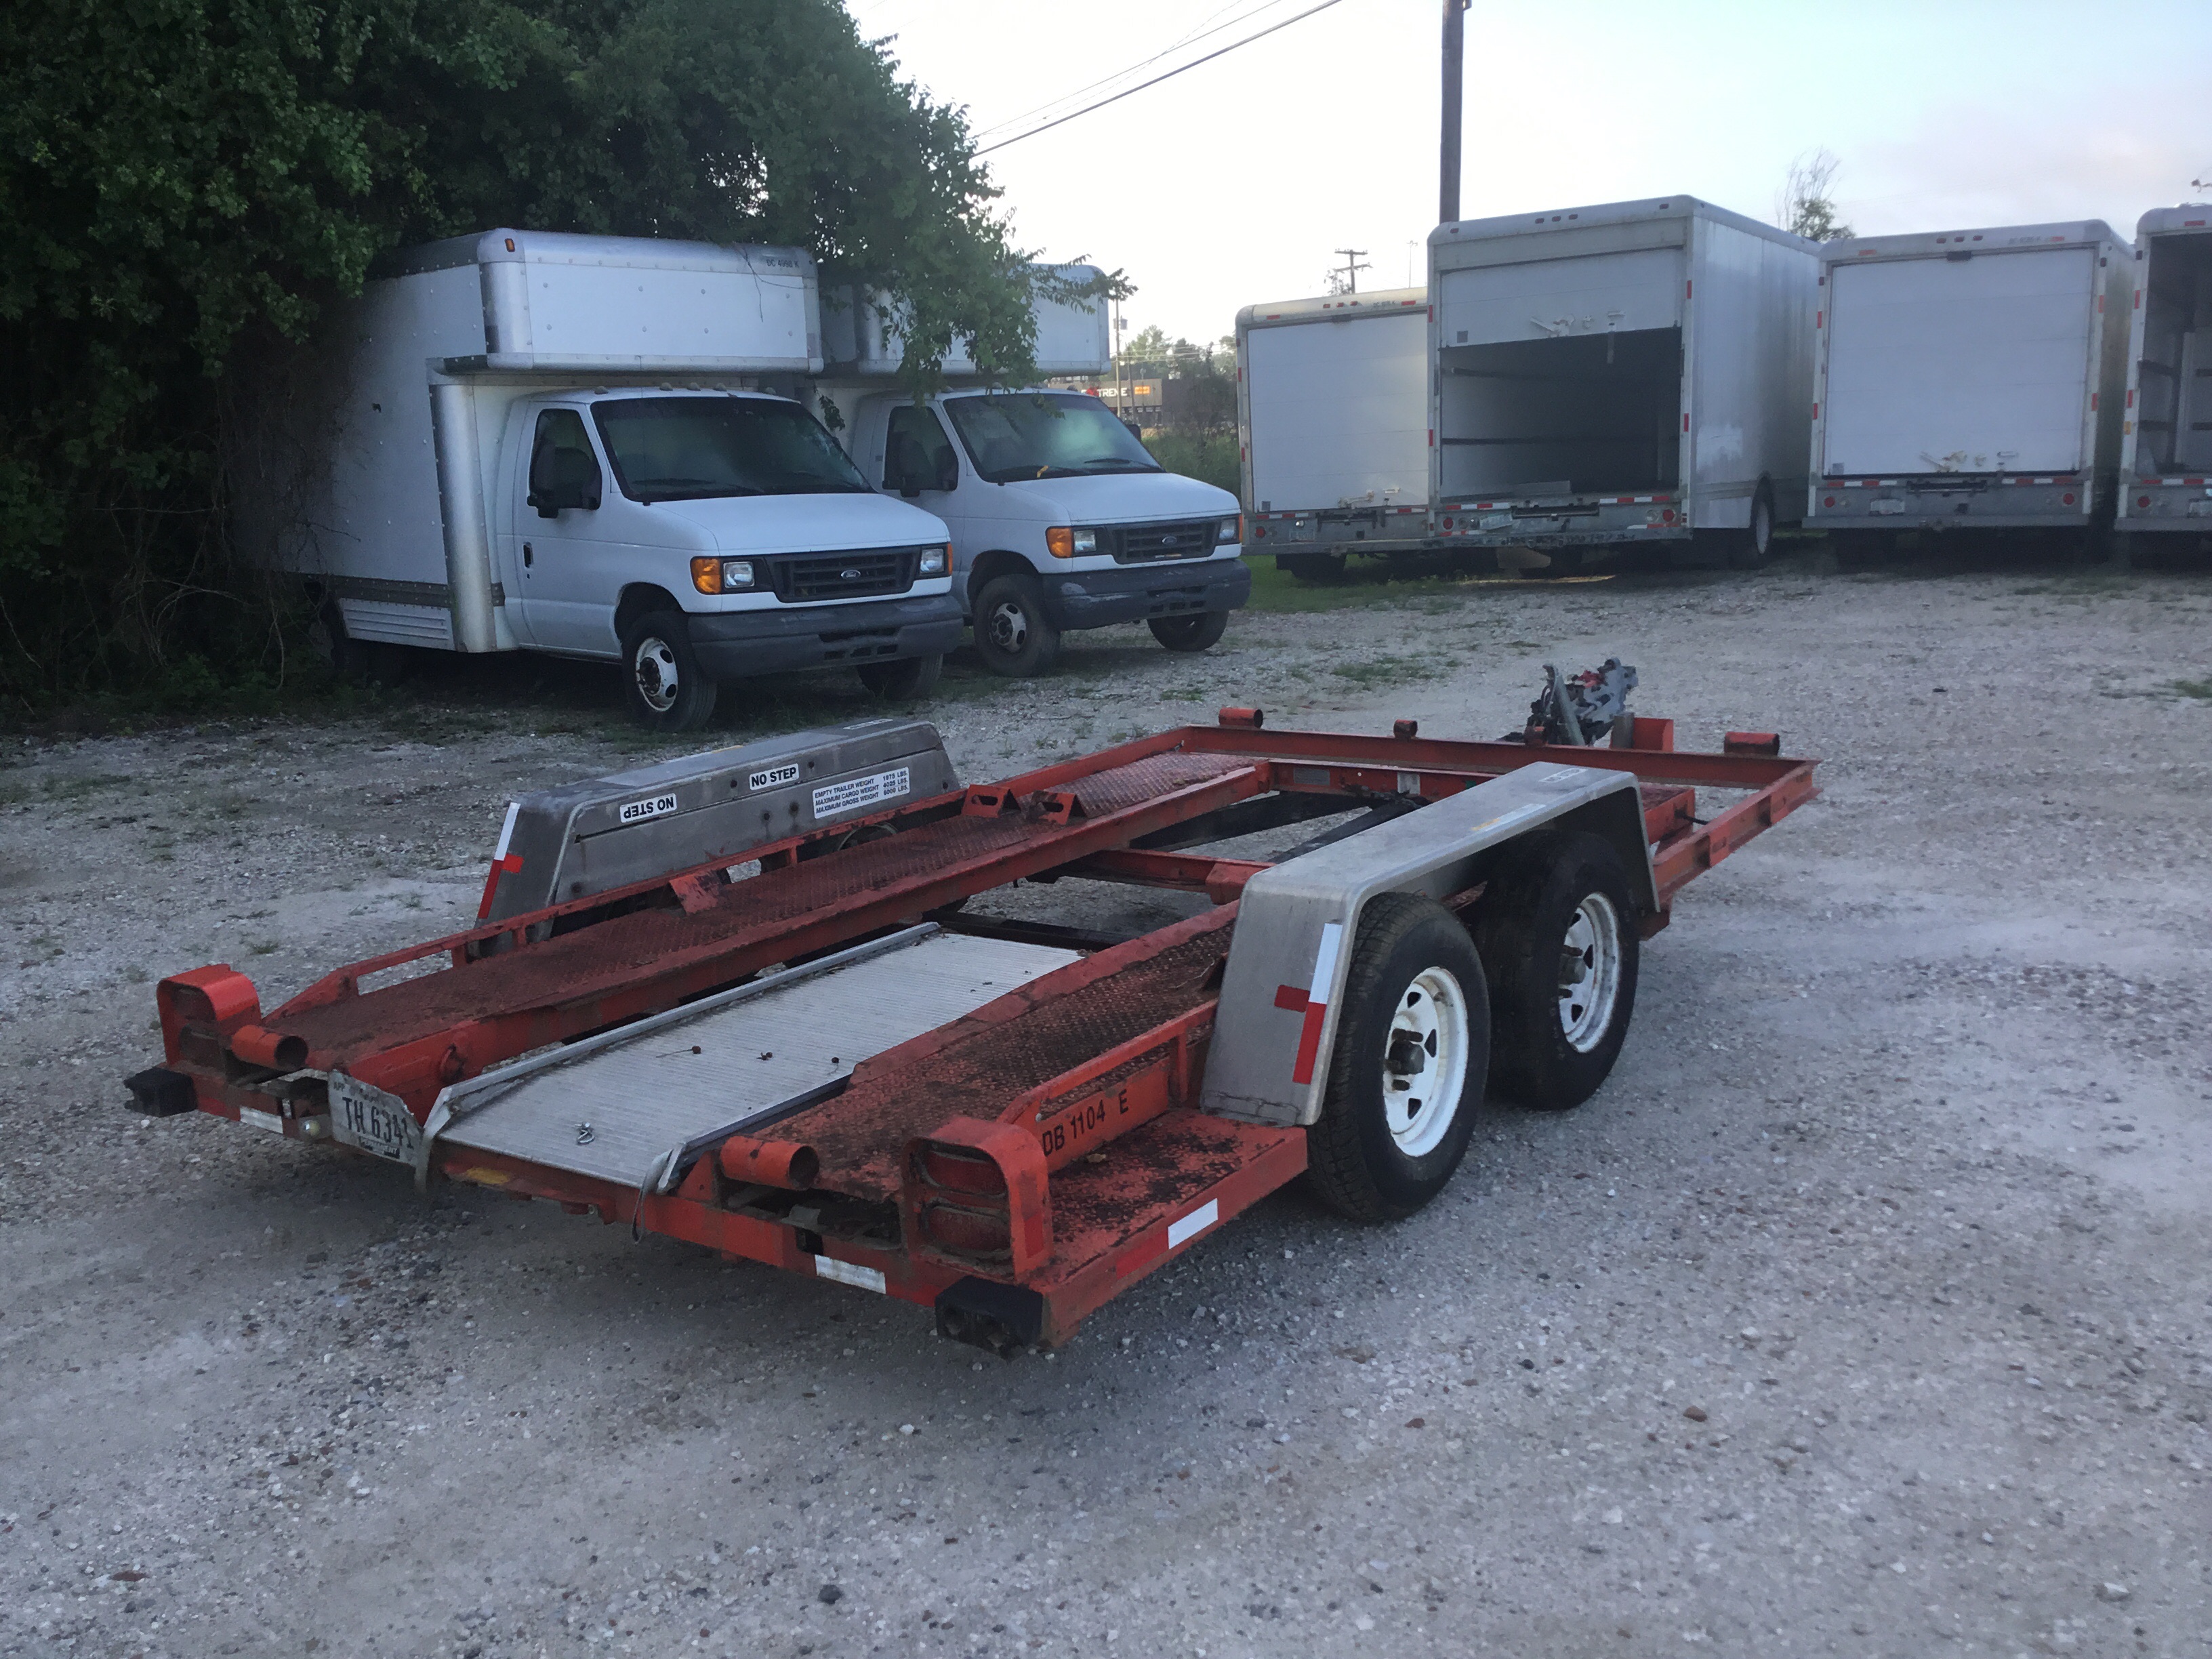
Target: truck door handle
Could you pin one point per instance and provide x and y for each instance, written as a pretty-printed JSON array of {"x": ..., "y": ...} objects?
[{"x": 528, "y": 557}]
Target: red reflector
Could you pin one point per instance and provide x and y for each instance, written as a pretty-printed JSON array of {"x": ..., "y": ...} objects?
[
  {"x": 2142, "y": 500},
  {"x": 1669, "y": 515},
  {"x": 1827, "y": 501},
  {"x": 2068, "y": 498},
  {"x": 1686, "y": 420},
  {"x": 2092, "y": 401}
]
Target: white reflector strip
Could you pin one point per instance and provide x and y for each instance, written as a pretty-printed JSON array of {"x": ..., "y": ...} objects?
[
  {"x": 506, "y": 830},
  {"x": 254, "y": 1120},
  {"x": 1192, "y": 1224},
  {"x": 867, "y": 1278}
]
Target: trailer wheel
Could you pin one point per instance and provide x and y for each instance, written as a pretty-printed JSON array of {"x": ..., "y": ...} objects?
[
  {"x": 1405, "y": 1078},
  {"x": 1312, "y": 567},
  {"x": 904, "y": 680},
  {"x": 667, "y": 689},
  {"x": 1557, "y": 933},
  {"x": 1193, "y": 632},
  {"x": 1013, "y": 635}
]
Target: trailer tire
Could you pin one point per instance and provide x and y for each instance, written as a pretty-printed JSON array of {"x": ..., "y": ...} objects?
[
  {"x": 1193, "y": 632},
  {"x": 1415, "y": 983},
  {"x": 904, "y": 680},
  {"x": 1560, "y": 899},
  {"x": 1312, "y": 567},
  {"x": 666, "y": 688},
  {"x": 1013, "y": 635}
]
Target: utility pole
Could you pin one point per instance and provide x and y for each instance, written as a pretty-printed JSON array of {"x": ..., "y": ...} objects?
[
  {"x": 1353, "y": 267},
  {"x": 1448, "y": 160},
  {"x": 1120, "y": 398}
]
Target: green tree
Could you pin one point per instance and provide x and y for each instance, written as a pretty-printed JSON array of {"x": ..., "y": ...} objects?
[
  {"x": 1806, "y": 206},
  {"x": 186, "y": 185}
]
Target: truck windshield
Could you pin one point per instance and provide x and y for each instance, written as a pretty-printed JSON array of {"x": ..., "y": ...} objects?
[
  {"x": 1045, "y": 435},
  {"x": 686, "y": 449}
]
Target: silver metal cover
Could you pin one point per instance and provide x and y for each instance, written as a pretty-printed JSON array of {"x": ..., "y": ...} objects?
[
  {"x": 605, "y": 833},
  {"x": 1297, "y": 922}
]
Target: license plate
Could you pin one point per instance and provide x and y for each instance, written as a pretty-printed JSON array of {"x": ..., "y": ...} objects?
[{"x": 364, "y": 1115}]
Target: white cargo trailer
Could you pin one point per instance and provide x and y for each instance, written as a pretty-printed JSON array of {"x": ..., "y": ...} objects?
[
  {"x": 572, "y": 444},
  {"x": 1969, "y": 380},
  {"x": 1630, "y": 373},
  {"x": 1060, "y": 518},
  {"x": 1332, "y": 412},
  {"x": 2166, "y": 441}
]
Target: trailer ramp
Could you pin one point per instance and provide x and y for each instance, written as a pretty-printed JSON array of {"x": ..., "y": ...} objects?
[{"x": 632, "y": 1106}]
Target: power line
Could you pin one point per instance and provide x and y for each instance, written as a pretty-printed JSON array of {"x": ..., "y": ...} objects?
[
  {"x": 1170, "y": 75},
  {"x": 1199, "y": 32}
]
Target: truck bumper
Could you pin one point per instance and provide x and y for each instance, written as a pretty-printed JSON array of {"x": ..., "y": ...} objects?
[
  {"x": 2176, "y": 506},
  {"x": 1590, "y": 521},
  {"x": 2056, "y": 501},
  {"x": 1093, "y": 599},
  {"x": 734, "y": 644}
]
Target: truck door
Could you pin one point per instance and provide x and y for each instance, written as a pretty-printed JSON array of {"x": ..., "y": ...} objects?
[
  {"x": 921, "y": 465},
  {"x": 569, "y": 572}
]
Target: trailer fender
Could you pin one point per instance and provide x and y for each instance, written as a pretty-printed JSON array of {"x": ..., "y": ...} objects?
[{"x": 1293, "y": 949}]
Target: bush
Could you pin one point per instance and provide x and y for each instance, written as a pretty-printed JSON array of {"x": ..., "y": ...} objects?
[
  {"x": 189, "y": 183},
  {"x": 1211, "y": 456}
]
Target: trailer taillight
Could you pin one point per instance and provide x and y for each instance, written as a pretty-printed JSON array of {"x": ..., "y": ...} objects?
[
  {"x": 1827, "y": 501},
  {"x": 2068, "y": 498},
  {"x": 2142, "y": 500}
]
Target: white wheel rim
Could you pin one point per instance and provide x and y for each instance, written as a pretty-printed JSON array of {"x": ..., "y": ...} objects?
[
  {"x": 1590, "y": 972},
  {"x": 1428, "y": 1031},
  {"x": 1010, "y": 628},
  {"x": 654, "y": 668}
]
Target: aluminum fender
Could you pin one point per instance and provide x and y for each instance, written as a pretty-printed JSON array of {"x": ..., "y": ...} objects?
[{"x": 1268, "y": 1063}]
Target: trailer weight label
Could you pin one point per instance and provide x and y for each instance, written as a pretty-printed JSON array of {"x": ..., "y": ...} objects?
[
  {"x": 652, "y": 806},
  {"x": 854, "y": 794},
  {"x": 772, "y": 777}
]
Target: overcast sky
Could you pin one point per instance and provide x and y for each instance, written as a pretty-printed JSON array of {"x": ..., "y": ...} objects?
[{"x": 1233, "y": 183}]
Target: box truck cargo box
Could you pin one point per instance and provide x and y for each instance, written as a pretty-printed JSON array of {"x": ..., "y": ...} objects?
[
  {"x": 2165, "y": 443},
  {"x": 1332, "y": 404},
  {"x": 863, "y": 330},
  {"x": 1630, "y": 373},
  {"x": 1969, "y": 378},
  {"x": 560, "y": 443}
]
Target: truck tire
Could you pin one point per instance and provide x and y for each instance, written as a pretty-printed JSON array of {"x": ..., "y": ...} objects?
[
  {"x": 1751, "y": 548},
  {"x": 1193, "y": 632},
  {"x": 1406, "y": 1077},
  {"x": 1013, "y": 635},
  {"x": 904, "y": 680},
  {"x": 1312, "y": 567},
  {"x": 357, "y": 662},
  {"x": 1557, "y": 933},
  {"x": 667, "y": 689}
]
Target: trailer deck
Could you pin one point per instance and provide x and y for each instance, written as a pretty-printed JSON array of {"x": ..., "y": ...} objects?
[{"x": 828, "y": 1066}]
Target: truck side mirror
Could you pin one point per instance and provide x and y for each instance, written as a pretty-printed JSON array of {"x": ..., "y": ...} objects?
[
  {"x": 563, "y": 478},
  {"x": 948, "y": 471}
]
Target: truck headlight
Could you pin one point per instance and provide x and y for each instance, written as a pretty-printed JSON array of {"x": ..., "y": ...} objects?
[
  {"x": 1063, "y": 542},
  {"x": 1231, "y": 529},
  {"x": 712, "y": 576},
  {"x": 932, "y": 561}
]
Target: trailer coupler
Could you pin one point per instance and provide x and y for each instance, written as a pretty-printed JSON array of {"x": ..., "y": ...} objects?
[{"x": 1003, "y": 1319}]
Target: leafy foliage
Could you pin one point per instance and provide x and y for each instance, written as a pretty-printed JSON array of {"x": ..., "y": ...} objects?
[
  {"x": 1806, "y": 206},
  {"x": 188, "y": 184}
]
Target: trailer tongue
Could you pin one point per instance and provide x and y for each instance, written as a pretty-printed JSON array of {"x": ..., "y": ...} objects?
[{"x": 793, "y": 1044}]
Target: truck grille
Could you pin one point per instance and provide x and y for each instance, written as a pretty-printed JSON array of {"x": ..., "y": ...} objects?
[
  {"x": 1145, "y": 543},
  {"x": 867, "y": 574}
]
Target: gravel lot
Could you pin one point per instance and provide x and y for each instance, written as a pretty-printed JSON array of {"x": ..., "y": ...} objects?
[{"x": 1867, "y": 1310}]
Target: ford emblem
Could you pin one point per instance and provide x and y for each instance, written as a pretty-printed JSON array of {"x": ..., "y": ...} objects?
[{"x": 849, "y": 574}]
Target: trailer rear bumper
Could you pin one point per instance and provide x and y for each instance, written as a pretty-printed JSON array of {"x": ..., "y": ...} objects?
[
  {"x": 1339, "y": 530},
  {"x": 736, "y": 644},
  {"x": 1583, "y": 521}
]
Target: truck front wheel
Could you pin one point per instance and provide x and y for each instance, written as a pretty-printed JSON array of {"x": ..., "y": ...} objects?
[
  {"x": 1193, "y": 632},
  {"x": 667, "y": 689},
  {"x": 1557, "y": 931},
  {"x": 1013, "y": 635},
  {"x": 1406, "y": 1077}
]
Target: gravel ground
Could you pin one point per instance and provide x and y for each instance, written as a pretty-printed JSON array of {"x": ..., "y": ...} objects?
[{"x": 1866, "y": 1311}]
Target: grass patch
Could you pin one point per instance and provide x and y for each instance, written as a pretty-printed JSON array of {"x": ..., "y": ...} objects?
[
  {"x": 2200, "y": 690},
  {"x": 1389, "y": 671}
]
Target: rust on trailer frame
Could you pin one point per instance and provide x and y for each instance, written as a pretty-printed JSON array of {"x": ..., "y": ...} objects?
[{"x": 1050, "y": 1140}]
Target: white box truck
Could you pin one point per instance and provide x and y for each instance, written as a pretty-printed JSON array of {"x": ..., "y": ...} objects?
[
  {"x": 2165, "y": 430},
  {"x": 562, "y": 444},
  {"x": 1634, "y": 374},
  {"x": 1968, "y": 379},
  {"x": 1059, "y": 516},
  {"x": 1332, "y": 412}
]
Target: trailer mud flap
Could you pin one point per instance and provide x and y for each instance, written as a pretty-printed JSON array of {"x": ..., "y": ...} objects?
[{"x": 1003, "y": 1319}]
